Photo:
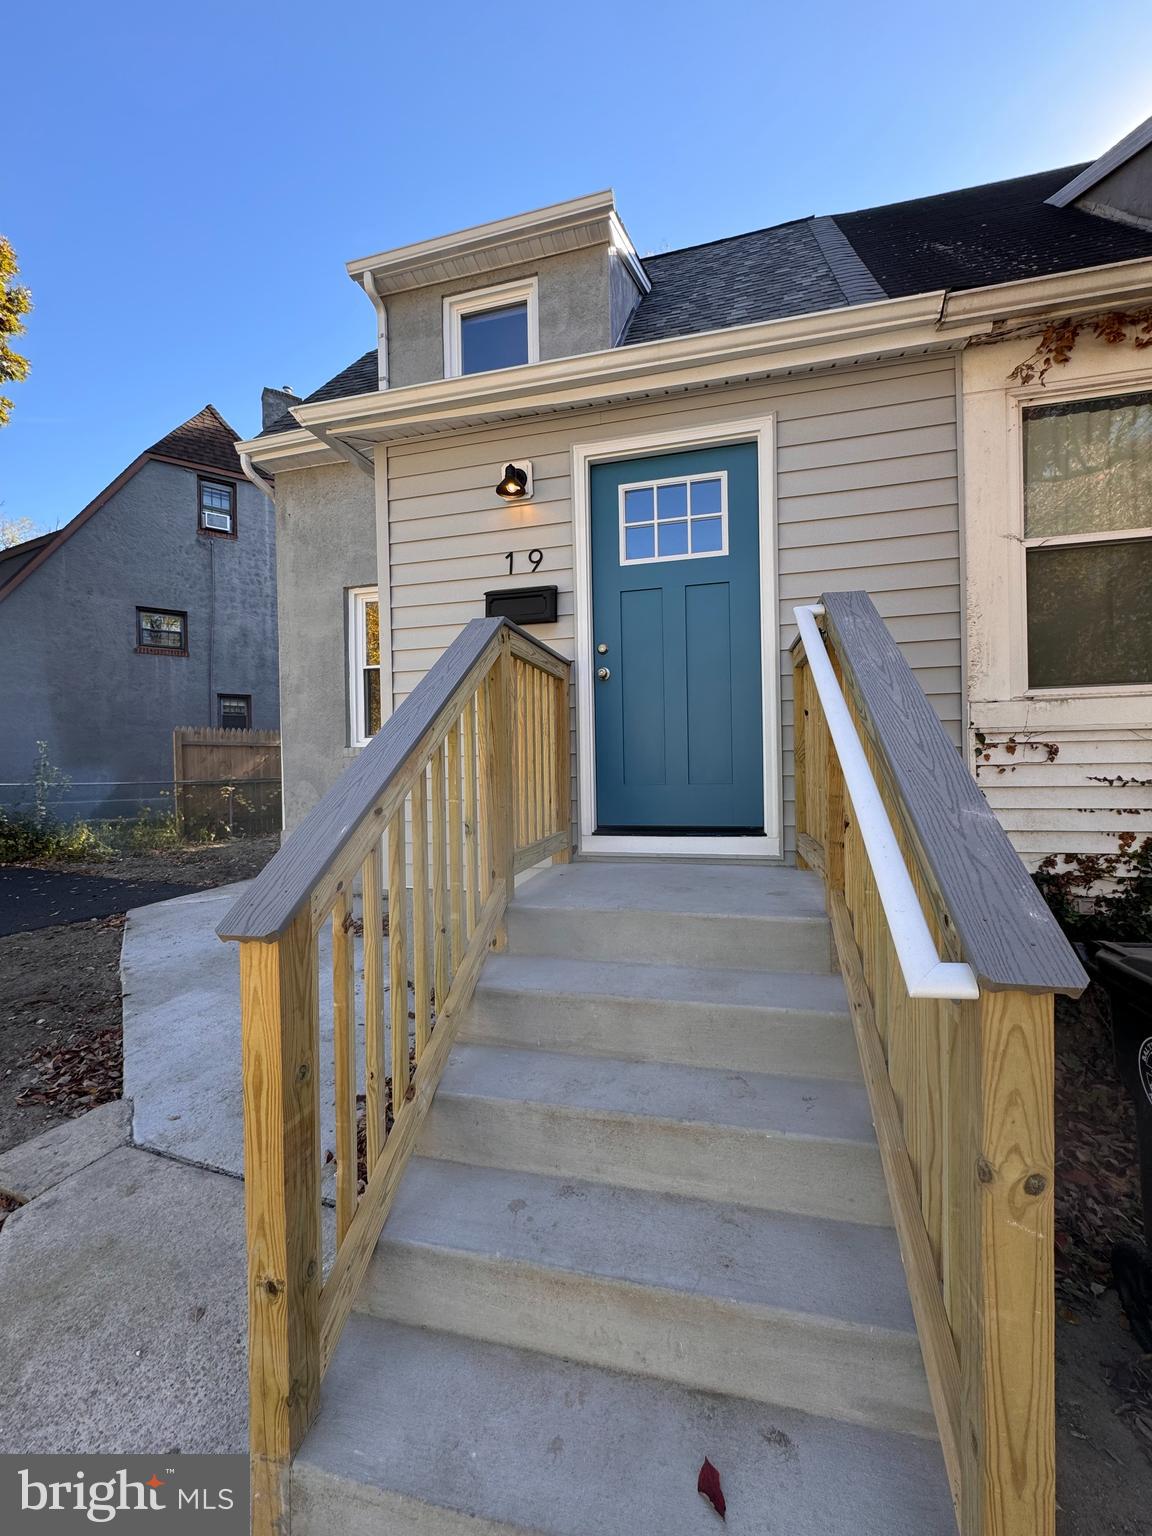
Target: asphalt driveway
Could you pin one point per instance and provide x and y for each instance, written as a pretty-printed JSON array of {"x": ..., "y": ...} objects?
[{"x": 46, "y": 898}]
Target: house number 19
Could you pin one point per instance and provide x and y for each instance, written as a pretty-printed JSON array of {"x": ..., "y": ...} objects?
[{"x": 535, "y": 559}]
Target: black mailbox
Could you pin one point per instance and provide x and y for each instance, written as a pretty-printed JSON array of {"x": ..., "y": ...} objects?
[{"x": 523, "y": 605}]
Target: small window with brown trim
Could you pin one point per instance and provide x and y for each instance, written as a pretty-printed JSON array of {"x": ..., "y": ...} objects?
[
  {"x": 161, "y": 633},
  {"x": 235, "y": 710},
  {"x": 217, "y": 507}
]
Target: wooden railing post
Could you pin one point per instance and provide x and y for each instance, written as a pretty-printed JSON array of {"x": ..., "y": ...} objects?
[
  {"x": 282, "y": 1207},
  {"x": 1008, "y": 1321},
  {"x": 800, "y": 745},
  {"x": 502, "y": 798},
  {"x": 563, "y": 767}
]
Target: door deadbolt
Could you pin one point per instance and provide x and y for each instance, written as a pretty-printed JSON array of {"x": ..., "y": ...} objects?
[
  {"x": 603, "y": 674},
  {"x": 602, "y": 649}
]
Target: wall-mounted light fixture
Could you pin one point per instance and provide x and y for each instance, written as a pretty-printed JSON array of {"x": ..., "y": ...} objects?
[{"x": 516, "y": 483}]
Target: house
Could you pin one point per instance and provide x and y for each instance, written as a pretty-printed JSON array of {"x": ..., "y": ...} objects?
[
  {"x": 869, "y": 359},
  {"x": 827, "y": 547},
  {"x": 154, "y": 607}
]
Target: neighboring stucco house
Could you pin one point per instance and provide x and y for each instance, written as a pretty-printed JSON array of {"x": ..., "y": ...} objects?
[
  {"x": 710, "y": 436},
  {"x": 154, "y": 607}
]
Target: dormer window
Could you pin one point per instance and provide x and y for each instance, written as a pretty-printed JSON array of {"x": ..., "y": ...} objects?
[{"x": 491, "y": 328}]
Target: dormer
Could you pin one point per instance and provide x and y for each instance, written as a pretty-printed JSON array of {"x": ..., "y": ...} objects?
[
  {"x": 1118, "y": 185},
  {"x": 557, "y": 282}
]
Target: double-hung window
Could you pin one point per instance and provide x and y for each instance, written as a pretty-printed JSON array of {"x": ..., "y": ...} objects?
[
  {"x": 161, "y": 632},
  {"x": 217, "y": 506},
  {"x": 491, "y": 328},
  {"x": 363, "y": 663},
  {"x": 1088, "y": 541}
]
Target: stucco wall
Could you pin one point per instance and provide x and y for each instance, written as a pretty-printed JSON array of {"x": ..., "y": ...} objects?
[
  {"x": 575, "y": 313},
  {"x": 69, "y": 672},
  {"x": 326, "y": 524}
]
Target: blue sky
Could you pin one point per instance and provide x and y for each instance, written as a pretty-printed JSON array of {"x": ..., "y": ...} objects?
[{"x": 183, "y": 184}]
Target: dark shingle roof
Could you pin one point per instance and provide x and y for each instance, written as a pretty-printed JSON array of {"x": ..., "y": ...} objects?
[
  {"x": 984, "y": 235},
  {"x": 359, "y": 378},
  {"x": 205, "y": 439},
  {"x": 972, "y": 238},
  {"x": 765, "y": 275}
]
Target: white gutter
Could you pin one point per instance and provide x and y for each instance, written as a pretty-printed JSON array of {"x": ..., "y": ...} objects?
[
  {"x": 369, "y": 285},
  {"x": 925, "y": 974},
  {"x": 250, "y": 473}
]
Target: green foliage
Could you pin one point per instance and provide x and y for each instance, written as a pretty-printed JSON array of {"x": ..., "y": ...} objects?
[
  {"x": 15, "y": 303},
  {"x": 1122, "y": 910},
  {"x": 24, "y": 839},
  {"x": 48, "y": 783}
]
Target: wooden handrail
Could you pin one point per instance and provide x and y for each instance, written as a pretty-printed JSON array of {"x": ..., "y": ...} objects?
[
  {"x": 961, "y": 1090},
  {"x": 466, "y": 784},
  {"x": 1002, "y": 923}
]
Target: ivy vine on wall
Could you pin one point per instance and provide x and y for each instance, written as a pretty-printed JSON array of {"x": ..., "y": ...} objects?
[{"x": 1058, "y": 340}]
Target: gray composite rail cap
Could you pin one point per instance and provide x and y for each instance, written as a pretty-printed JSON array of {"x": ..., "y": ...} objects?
[
  {"x": 284, "y": 886},
  {"x": 1006, "y": 932}
]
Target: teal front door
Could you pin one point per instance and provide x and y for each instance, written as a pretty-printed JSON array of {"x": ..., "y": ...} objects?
[{"x": 676, "y": 632}]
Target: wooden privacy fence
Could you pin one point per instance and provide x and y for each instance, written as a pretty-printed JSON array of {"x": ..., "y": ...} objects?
[
  {"x": 226, "y": 781},
  {"x": 466, "y": 784},
  {"x": 961, "y": 1087}
]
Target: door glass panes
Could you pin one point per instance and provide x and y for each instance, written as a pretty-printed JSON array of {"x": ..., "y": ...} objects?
[
  {"x": 674, "y": 519},
  {"x": 494, "y": 338}
]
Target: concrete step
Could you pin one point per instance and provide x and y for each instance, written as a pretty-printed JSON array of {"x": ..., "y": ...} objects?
[
  {"x": 791, "y": 1023},
  {"x": 445, "y": 1436},
  {"x": 776, "y": 1143},
  {"x": 805, "y": 1313},
  {"x": 755, "y": 918}
]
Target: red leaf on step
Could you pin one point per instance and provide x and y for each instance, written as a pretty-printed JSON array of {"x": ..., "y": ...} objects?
[{"x": 708, "y": 1485}]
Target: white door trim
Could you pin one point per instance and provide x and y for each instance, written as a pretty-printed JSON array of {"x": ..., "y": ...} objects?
[{"x": 762, "y": 431}]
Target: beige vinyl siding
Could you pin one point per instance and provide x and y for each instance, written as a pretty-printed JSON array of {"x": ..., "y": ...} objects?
[
  {"x": 866, "y": 497},
  {"x": 1063, "y": 806}
]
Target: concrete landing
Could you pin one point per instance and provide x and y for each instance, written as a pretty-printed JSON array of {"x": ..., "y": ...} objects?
[
  {"x": 182, "y": 1067},
  {"x": 124, "y": 1301}
]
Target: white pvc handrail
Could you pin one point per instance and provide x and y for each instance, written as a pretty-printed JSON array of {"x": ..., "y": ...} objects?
[{"x": 925, "y": 974}]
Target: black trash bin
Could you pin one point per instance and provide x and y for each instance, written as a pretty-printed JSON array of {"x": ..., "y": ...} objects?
[{"x": 1125, "y": 972}]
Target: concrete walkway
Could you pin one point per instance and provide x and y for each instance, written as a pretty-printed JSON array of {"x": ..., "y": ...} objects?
[
  {"x": 182, "y": 1033},
  {"x": 124, "y": 1298}
]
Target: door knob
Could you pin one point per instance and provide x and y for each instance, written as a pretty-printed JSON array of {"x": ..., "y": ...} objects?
[{"x": 603, "y": 674}]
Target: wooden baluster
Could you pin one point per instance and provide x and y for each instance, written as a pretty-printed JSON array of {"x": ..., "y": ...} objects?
[
  {"x": 484, "y": 768},
  {"x": 543, "y": 761},
  {"x": 520, "y": 673},
  {"x": 531, "y": 831},
  {"x": 442, "y": 958},
  {"x": 421, "y": 980},
  {"x": 471, "y": 843},
  {"x": 799, "y": 746},
  {"x": 398, "y": 959},
  {"x": 280, "y": 1033},
  {"x": 548, "y": 754},
  {"x": 344, "y": 1041},
  {"x": 563, "y": 770},
  {"x": 503, "y": 801},
  {"x": 375, "y": 1067},
  {"x": 455, "y": 846}
]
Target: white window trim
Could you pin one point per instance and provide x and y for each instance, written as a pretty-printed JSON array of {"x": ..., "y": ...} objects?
[
  {"x": 657, "y": 558},
  {"x": 358, "y": 598},
  {"x": 762, "y": 431},
  {"x": 1097, "y": 387},
  {"x": 475, "y": 301}
]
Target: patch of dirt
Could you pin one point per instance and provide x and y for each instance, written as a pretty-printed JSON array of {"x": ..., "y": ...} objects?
[
  {"x": 1103, "y": 1381},
  {"x": 60, "y": 1014}
]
